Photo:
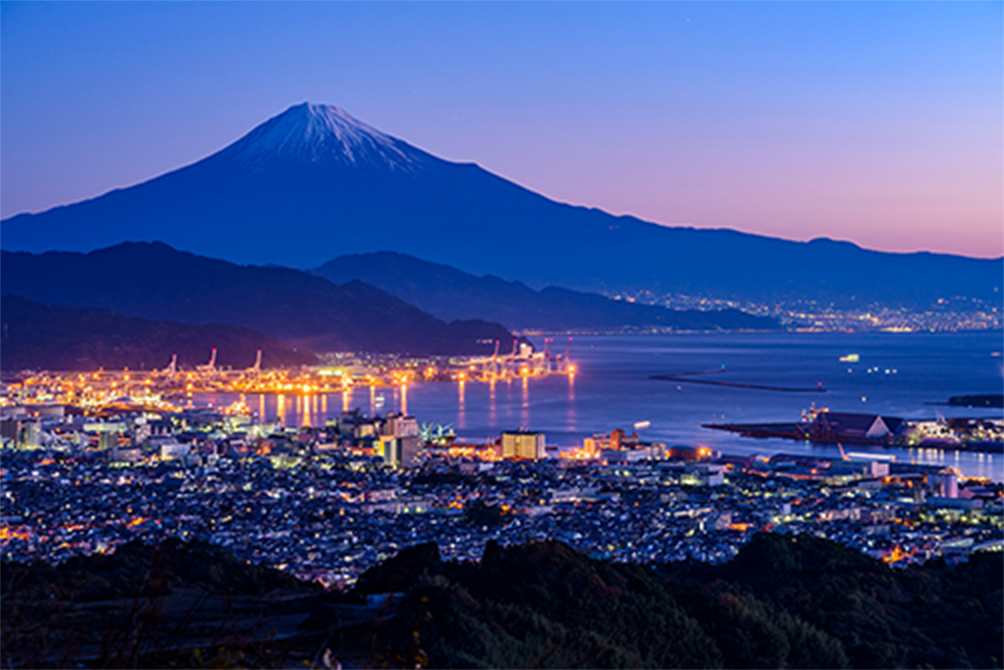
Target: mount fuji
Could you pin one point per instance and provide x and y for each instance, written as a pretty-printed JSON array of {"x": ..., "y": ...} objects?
[
  {"x": 306, "y": 185},
  {"x": 313, "y": 183}
]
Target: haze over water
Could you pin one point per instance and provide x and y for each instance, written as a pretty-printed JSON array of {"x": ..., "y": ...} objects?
[{"x": 613, "y": 389}]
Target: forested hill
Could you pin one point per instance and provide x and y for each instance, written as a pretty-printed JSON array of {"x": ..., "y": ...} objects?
[
  {"x": 797, "y": 602},
  {"x": 783, "y": 602},
  {"x": 449, "y": 294},
  {"x": 56, "y": 337},
  {"x": 154, "y": 281}
]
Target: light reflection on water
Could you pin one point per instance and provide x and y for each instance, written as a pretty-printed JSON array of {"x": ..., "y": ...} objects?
[
  {"x": 611, "y": 389},
  {"x": 492, "y": 408}
]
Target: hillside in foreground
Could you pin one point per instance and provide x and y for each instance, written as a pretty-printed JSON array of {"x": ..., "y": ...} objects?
[
  {"x": 797, "y": 602},
  {"x": 784, "y": 601}
]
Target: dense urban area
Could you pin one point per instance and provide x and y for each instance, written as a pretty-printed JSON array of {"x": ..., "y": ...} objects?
[
  {"x": 946, "y": 315},
  {"x": 326, "y": 503}
]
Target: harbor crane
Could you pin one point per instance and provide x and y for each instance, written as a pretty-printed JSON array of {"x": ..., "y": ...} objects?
[
  {"x": 211, "y": 365},
  {"x": 495, "y": 359},
  {"x": 172, "y": 367}
]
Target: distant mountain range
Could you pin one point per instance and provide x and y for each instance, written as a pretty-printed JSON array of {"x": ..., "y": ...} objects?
[
  {"x": 154, "y": 281},
  {"x": 55, "y": 337},
  {"x": 449, "y": 294},
  {"x": 313, "y": 183}
]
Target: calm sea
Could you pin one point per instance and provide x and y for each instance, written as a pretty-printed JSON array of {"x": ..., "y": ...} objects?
[{"x": 896, "y": 374}]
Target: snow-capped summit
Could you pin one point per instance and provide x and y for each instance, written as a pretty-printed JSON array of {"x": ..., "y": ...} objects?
[{"x": 322, "y": 133}]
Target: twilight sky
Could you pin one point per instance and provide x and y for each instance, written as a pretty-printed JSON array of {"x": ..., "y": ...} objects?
[{"x": 878, "y": 123}]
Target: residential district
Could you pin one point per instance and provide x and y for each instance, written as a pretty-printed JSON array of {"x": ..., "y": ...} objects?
[
  {"x": 326, "y": 503},
  {"x": 945, "y": 315}
]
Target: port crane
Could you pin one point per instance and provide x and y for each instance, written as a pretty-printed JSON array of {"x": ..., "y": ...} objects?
[
  {"x": 495, "y": 360},
  {"x": 545, "y": 358},
  {"x": 256, "y": 369},
  {"x": 520, "y": 362},
  {"x": 211, "y": 365},
  {"x": 172, "y": 367}
]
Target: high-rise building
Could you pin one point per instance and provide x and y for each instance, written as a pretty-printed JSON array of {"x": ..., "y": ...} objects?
[
  {"x": 944, "y": 483},
  {"x": 400, "y": 425},
  {"x": 523, "y": 444},
  {"x": 108, "y": 440},
  {"x": 400, "y": 452}
]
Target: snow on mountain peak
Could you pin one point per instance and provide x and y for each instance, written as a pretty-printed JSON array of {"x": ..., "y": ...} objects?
[{"x": 322, "y": 133}]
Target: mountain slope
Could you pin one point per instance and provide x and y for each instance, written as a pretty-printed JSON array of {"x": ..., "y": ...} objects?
[
  {"x": 313, "y": 183},
  {"x": 784, "y": 601},
  {"x": 55, "y": 337},
  {"x": 451, "y": 294},
  {"x": 154, "y": 281}
]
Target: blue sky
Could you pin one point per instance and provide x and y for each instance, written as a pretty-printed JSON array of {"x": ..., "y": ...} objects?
[{"x": 875, "y": 122}]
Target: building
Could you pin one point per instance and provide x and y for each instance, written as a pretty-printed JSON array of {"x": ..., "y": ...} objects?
[
  {"x": 708, "y": 474},
  {"x": 125, "y": 455},
  {"x": 523, "y": 444},
  {"x": 830, "y": 427},
  {"x": 399, "y": 425},
  {"x": 400, "y": 452},
  {"x": 617, "y": 440},
  {"x": 633, "y": 455},
  {"x": 944, "y": 483},
  {"x": 21, "y": 432},
  {"x": 173, "y": 450},
  {"x": 9, "y": 428}
]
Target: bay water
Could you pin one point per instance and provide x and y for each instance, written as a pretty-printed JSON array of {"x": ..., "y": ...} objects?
[{"x": 895, "y": 374}]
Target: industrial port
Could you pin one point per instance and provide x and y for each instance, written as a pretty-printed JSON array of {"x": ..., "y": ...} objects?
[
  {"x": 173, "y": 386},
  {"x": 825, "y": 427}
]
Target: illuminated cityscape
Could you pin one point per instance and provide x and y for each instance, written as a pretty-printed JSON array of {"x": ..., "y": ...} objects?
[
  {"x": 328, "y": 502},
  {"x": 502, "y": 335},
  {"x": 946, "y": 315},
  {"x": 343, "y": 373}
]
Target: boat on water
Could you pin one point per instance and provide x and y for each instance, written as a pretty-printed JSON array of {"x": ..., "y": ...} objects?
[{"x": 850, "y": 358}]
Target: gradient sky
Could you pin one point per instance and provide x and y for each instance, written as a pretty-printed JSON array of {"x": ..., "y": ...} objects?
[{"x": 878, "y": 123}]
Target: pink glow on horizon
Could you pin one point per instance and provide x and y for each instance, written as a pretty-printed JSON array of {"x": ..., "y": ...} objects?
[{"x": 873, "y": 122}]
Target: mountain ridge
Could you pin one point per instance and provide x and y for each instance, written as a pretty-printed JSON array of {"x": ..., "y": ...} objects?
[
  {"x": 155, "y": 281},
  {"x": 299, "y": 212},
  {"x": 60, "y": 337},
  {"x": 452, "y": 294}
]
